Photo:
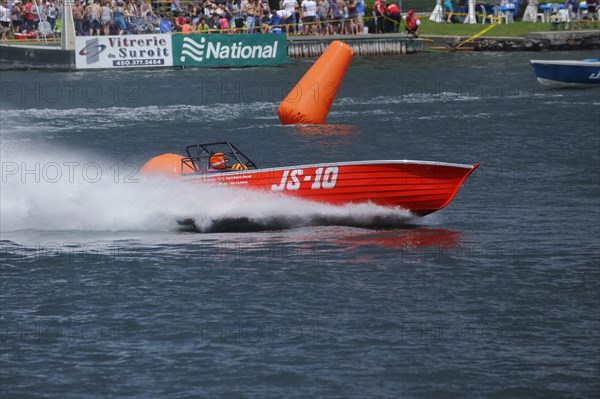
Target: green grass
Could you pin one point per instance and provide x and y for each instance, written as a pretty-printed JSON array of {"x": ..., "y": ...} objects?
[{"x": 517, "y": 29}]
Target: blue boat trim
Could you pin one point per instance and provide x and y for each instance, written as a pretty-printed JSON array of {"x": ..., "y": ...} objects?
[{"x": 584, "y": 73}]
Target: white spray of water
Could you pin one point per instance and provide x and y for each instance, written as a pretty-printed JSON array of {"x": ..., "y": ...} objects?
[{"x": 62, "y": 192}]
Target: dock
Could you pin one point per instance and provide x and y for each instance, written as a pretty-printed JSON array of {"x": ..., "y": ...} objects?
[{"x": 48, "y": 56}]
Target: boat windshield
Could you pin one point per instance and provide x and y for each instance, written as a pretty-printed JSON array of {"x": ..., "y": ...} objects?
[{"x": 216, "y": 157}]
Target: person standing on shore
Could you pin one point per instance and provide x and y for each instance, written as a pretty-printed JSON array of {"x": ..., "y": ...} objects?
[
  {"x": 360, "y": 16},
  {"x": 335, "y": 17},
  {"x": 238, "y": 15},
  {"x": 119, "y": 17},
  {"x": 144, "y": 8},
  {"x": 106, "y": 17},
  {"x": 28, "y": 26},
  {"x": 350, "y": 22},
  {"x": 251, "y": 9},
  {"x": 592, "y": 13},
  {"x": 449, "y": 9},
  {"x": 380, "y": 12},
  {"x": 34, "y": 14},
  {"x": 258, "y": 16},
  {"x": 309, "y": 14},
  {"x": 93, "y": 12},
  {"x": 394, "y": 15},
  {"x": 265, "y": 8},
  {"x": 573, "y": 9},
  {"x": 78, "y": 13},
  {"x": 51, "y": 13},
  {"x": 16, "y": 16},
  {"x": 322, "y": 12},
  {"x": 4, "y": 20},
  {"x": 290, "y": 22},
  {"x": 132, "y": 12},
  {"x": 175, "y": 7}
]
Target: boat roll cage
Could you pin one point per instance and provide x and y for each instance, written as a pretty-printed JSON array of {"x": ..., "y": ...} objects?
[{"x": 198, "y": 157}]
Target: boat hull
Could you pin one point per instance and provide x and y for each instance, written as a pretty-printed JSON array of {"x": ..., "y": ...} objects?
[
  {"x": 418, "y": 186},
  {"x": 567, "y": 73}
]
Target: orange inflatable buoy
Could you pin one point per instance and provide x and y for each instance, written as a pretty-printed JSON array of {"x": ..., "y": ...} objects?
[
  {"x": 165, "y": 164},
  {"x": 310, "y": 100}
]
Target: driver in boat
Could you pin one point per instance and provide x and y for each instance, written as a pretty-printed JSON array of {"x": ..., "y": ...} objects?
[{"x": 217, "y": 162}]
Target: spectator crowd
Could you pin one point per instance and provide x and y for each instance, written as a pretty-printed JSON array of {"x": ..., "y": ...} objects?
[{"x": 117, "y": 17}]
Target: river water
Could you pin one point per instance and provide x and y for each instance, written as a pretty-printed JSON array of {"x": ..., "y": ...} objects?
[{"x": 103, "y": 295}]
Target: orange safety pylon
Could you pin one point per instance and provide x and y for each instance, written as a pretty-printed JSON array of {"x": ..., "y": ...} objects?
[{"x": 310, "y": 100}]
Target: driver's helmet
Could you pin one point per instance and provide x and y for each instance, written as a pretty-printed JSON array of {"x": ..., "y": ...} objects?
[
  {"x": 218, "y": 161},
  {"x": 238, "y": 166}
]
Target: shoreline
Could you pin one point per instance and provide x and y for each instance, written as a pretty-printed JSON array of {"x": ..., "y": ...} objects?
[
  {"x": 49, "y": 56},
  {"x": 533, "y": 41}
]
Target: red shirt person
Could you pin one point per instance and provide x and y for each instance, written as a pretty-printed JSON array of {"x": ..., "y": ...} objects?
[
  {"x": 394, "y": 14},
  {"x": 412, "y": 24},
  {"x": 379, "y": 10},
  {"x": 29, "y": 17},
  {"x": 179, "y": 22}
]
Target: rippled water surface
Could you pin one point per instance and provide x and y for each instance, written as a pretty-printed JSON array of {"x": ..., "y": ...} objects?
[{"x": 103, "y": 295}]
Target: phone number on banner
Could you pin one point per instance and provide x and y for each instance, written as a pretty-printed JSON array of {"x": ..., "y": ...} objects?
[{"x": 138, "y": 62}]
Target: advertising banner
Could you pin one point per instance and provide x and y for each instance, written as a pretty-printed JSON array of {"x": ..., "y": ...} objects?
[
  {"x": 220, "y": 50},
  {"x": 128, "y": 51}
]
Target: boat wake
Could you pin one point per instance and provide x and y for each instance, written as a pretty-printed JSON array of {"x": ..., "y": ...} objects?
[
  {"x": 365, "y": 218},
  {"x": 62, "y": 193}
]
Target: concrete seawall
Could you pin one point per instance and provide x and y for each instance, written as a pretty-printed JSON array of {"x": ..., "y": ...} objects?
[
  {"x": 385, "y": 44},
  {"x": 534, "y": 41},
  {"x": 36, "y": 56},
  {"x": 40, "y": 56}
]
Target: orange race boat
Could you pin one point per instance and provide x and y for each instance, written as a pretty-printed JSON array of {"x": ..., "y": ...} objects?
[{"x": 421, "y": 187}]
